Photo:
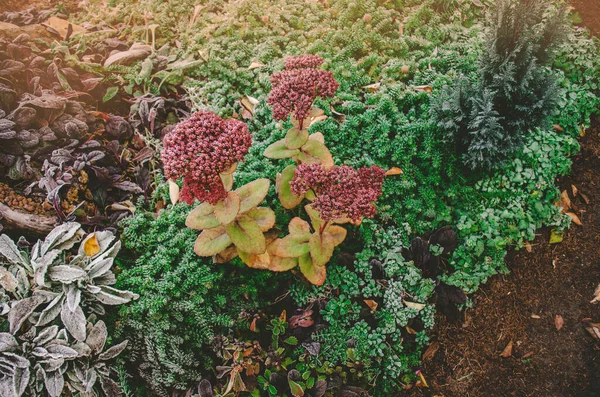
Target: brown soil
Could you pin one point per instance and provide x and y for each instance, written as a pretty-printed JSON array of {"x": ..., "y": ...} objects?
[
  {"x": 549, "y": 281},
  {"x": 590, "y": 13}
]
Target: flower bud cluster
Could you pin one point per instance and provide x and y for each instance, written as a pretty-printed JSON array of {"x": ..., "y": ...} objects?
[
  {"x": 340, "y": 191},
  {"x": 201, "y": 148},
  {"x": 295, "y": 89}
]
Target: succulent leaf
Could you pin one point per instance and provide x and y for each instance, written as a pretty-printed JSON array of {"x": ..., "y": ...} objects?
[
  {"x": 264, "y": 217},
  {"x": 226, "y": 210},
  {"x": 299, "y": 226},
  {"x": 252, "y": 194},
  {"x": 293, "y": 246},
  {"x": 338, "y": 233},
  {"x": 212, "y": 241},
  {"x": 279, "y": 150},
  {"x": 202, "y": 217},
  {"x": 246, "y": 235},
  {"x": 288, "y": 199},
  {"x": 321, "y": 248},
  {"x": 314, "y": 274},
  {"x": 314, "y": 151},
  {"x": 295, "y": 138}
]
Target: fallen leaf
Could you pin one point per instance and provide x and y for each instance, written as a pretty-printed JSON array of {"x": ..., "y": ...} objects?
[
  {"x": 422, "y": 382},
  {"x": 372, "y": 304},
  {"x": 410, "y": 330},
  {"x": 173, "y": 192},
  {"x": 253, "y": 324},
  {"x": 585, "y": 198},
  {"x": 63, "y": 27},
  {"x": 256, "y": 65},
  {"x": 431, "y": 350},
  {"x": 596, "y": 295},
  {"x": 527, "y": 355},
  {"x": 413, "y": 305},
  {"x": 528, "y": 247},
  {"x": 558, "y": 128},
  {"x": 507, "y": 352},
  {"x": 558, "y": 322},
  {"x": 372, "y": 87},
  {"x": 575, "y": 218},
  {"x": 575, "y": 190},
  {"x": 593, "y": 329},
  {"x": 303, "y": 320},
  {"x": 394, "y": 171},
  {"x": 535, "y": 316},
  {"x": 91, "y": 246},
  {"x": 555, "y": 237},
  {"x": 248, "y": 105},
  {"x": 424, "y": 88}
]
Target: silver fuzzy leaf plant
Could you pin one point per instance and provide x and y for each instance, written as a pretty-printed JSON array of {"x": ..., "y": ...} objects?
[{"x": 45, "y": 294}]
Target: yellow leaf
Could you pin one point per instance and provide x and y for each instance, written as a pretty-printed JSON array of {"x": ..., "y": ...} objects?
[
  {"x": 394, "y": 171},
  {"x": 91, "y": 246}
]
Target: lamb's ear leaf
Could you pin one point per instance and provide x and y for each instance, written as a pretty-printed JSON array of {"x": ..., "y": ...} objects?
[
  {"x": 314, "y": 274},
  {"x": 264, "y": 217},
  {"x": 279, "y": 150},
  {"x": 315, "y": 152},
  {"x": 74, "y": 321},
  {"x": 321, "y": 248},
  {"x": 211, "y": 242},
  {"x": 252, "y": 194},
  {"x": 22, "y": 310},
  {"x": 226, "y": 210},
  {"x": 288, "y": 199},
  {"x": 246, "y": 235},
  {"x": 10, "y": 250},
  {"x": 295, "y": 138},
  {"x": 202, "y": 217},
  {"x": 293, "y": 246},
  {"x": 338, "y": 233}
]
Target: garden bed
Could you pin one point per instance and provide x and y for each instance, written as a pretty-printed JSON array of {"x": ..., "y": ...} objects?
[{"x": 296, "y": 224}]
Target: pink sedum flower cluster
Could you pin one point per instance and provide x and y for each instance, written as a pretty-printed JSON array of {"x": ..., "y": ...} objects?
[
  {"x": 201, "y": 148},
  {"x": 340, "y": 191},
  {"x": 295, "y": 89}
]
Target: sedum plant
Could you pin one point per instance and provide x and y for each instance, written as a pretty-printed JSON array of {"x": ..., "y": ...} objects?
[
  {"x": 51, "y": 344},
  {"x": 204, "y": 150}
]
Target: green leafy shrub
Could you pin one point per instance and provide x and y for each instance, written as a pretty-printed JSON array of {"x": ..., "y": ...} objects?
[
  {"x": 185, "y": 301},
  {"x": 487, "y": 120}
]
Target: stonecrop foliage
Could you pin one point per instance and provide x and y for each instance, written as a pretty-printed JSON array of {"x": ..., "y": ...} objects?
[{"x": 514, "y": 92}]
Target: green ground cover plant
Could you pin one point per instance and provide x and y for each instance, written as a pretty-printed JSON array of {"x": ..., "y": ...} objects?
[{"x": 220, "y": 328}]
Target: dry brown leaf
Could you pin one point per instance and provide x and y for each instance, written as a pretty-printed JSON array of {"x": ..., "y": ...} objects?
[
  {"x": 372, "y": 304},
  {"x": 593, "y": 329},
  {"x": 431, "y": 350},
  {"x": 535, "y": 316},
  {"x": 575, "y": 218},
  {"x": 424, "y": 88},
  {"x": 596, "y": 295},
  {"x": 507, "y": 352},
  {"x": 410, "y": 330},
  {"x": 372, "y": 87},
  {"x": 558, "y": 322},
  {"x": 528, "y": 247},
  {"x": 585, "y": 198},
  {"x": 61, "y": 26},
  {"x": 253, "y": 324},
  {"x": 575, "y": 190},
  {"x": 248, "y": 105},
  {"x": 256, "y": 65},
  {"x": 421, "y": 382},
  {"x": 413, "y": 305},
  {"x": 558, "y": 128},
  {"x": 394, "y": 171}
]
